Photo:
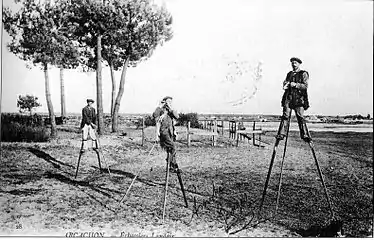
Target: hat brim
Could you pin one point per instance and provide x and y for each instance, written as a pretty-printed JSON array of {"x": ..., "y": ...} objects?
[
  {"x": 166, "y": 98},
  {"x": 296, "y": 60}
]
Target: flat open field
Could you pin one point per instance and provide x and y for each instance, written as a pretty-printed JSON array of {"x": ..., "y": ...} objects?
[{"x": 40, "y": 196}]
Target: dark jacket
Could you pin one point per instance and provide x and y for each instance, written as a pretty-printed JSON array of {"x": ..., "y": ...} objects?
[
  {"x": 167, "y": 126},
  {"x": 296, "y": 96},
  {"x": 88, "y": 116}
]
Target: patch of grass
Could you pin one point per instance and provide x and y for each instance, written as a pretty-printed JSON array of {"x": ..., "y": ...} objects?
[{"x": 16, "y": 132}]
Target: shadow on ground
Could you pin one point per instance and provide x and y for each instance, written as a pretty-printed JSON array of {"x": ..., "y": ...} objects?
[{"x": 48, "y": 158}]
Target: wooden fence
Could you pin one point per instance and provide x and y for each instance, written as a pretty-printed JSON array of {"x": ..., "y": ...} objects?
[{"x": 214, "y": 127}]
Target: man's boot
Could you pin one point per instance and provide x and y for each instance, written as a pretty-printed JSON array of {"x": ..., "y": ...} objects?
[
  {"x": 95, "y": 145},
  {"x": 280, "y": 135},
  {"x": 84, "y": 146},
  {"x": 173, "y": 163},
  {"x": 304, "y": 133}
]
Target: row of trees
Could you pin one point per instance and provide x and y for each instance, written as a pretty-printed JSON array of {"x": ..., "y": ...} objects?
[{"x": 85, "y": 34}]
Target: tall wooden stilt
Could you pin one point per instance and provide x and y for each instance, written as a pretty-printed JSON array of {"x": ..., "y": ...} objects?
[{"x": 166, "y": 188}]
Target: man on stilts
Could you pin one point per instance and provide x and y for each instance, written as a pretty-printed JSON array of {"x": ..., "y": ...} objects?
[
  {"x": 295, "y": 98},
  {"x": 164, "y": 116},
  {"x": 88, "y": 126}
]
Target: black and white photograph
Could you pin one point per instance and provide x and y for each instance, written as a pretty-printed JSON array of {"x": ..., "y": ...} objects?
[{"x": 186, "y": 118}]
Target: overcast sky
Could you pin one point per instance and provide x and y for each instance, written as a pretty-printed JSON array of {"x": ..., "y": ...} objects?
[{"x": 213, "y": 41}]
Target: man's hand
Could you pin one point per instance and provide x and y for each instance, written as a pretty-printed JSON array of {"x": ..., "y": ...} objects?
[
  {"x": 168, "y": 107},
  {"x": 285, "y": 87},
  {"x": 293, "y": 84}
]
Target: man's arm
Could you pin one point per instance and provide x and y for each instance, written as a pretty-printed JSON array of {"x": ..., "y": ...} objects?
[
  {"x": 83, "y": 121},
  {"x": 304, "y": 84},
  {"x": 94, "y": 116},
  {"x": 286, "y": 83},
  {"x": 85, "y": 117},
  {"x": 174, "y": 114},
  {"x": 158, "y": 112}
]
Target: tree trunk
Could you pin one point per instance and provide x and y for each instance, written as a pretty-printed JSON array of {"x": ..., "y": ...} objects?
[
  {"x": 62, "y": 89},
  {"x": 113, "y": 89},
  {"x": 99, "y": 90},
  {"x": 49, "y": 103},
  {"x": 119, "y": 97}
]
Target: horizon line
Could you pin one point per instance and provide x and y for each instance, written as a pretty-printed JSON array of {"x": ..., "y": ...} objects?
[{"x": 257, "y": 114}]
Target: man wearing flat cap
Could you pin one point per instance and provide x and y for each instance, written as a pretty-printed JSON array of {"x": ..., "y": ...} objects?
[
  {"x": 88, "y": 125},
  {"x": 295, "y": 97},
  {"x": 164, "y": 116}
]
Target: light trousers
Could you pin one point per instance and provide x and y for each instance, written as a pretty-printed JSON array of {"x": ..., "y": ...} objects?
[
  {"x": 304, "y": 133},
  {"x": 88, "y": 131}
]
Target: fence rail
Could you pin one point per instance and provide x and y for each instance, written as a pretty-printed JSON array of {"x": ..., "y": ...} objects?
[
  {"x": 214, "y": 128},
  {"x": 236, "y": 130}
]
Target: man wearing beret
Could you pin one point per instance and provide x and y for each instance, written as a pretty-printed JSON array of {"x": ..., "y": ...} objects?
[
  {"x": 164, "y": 116},
  {"x": 295, "y": 97},
  {"x": 88, "y": 125}
]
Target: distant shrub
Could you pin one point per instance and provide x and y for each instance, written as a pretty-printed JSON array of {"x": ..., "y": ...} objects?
[
  {"x": 193, "y": 118},
  {"x": 16, "y": 132},
  {"x": 357, "y": 116},
  {"x": 59, "y": 120},
  {"x": 182, "y": 121},
  {"x": 33, "y": 120},
  {"x": 149, "y": 121}
]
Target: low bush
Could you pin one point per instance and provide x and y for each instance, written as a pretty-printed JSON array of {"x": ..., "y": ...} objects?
[
  {"x": 149, "y": 121},
  {"x": 27, "y": 120},
  {"x": 193, "y": 118},
  {"x": 16, "y": 132},
  {"x": 59, "y": 120},
  {"x": 182, "y": 121}
]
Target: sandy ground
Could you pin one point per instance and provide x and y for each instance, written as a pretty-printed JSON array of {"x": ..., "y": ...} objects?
[{"x": 40, "y": 196}]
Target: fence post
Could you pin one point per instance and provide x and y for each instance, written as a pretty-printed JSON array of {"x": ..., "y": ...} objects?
[
  {"x": 254, "y": 128},
  {"x": 237, "y": 134},
  {"x": 188, "y": 134},
  {"x": 215, "y": 131},
  {"x": 242, "y": 127},
  {"x": 235, "y": 130},
  {"x": 229, "y": 129},
  {"x": 222, "y": 127},
  {"x": 259, "y": 137},
  {"x": 143, "y": 126}
]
